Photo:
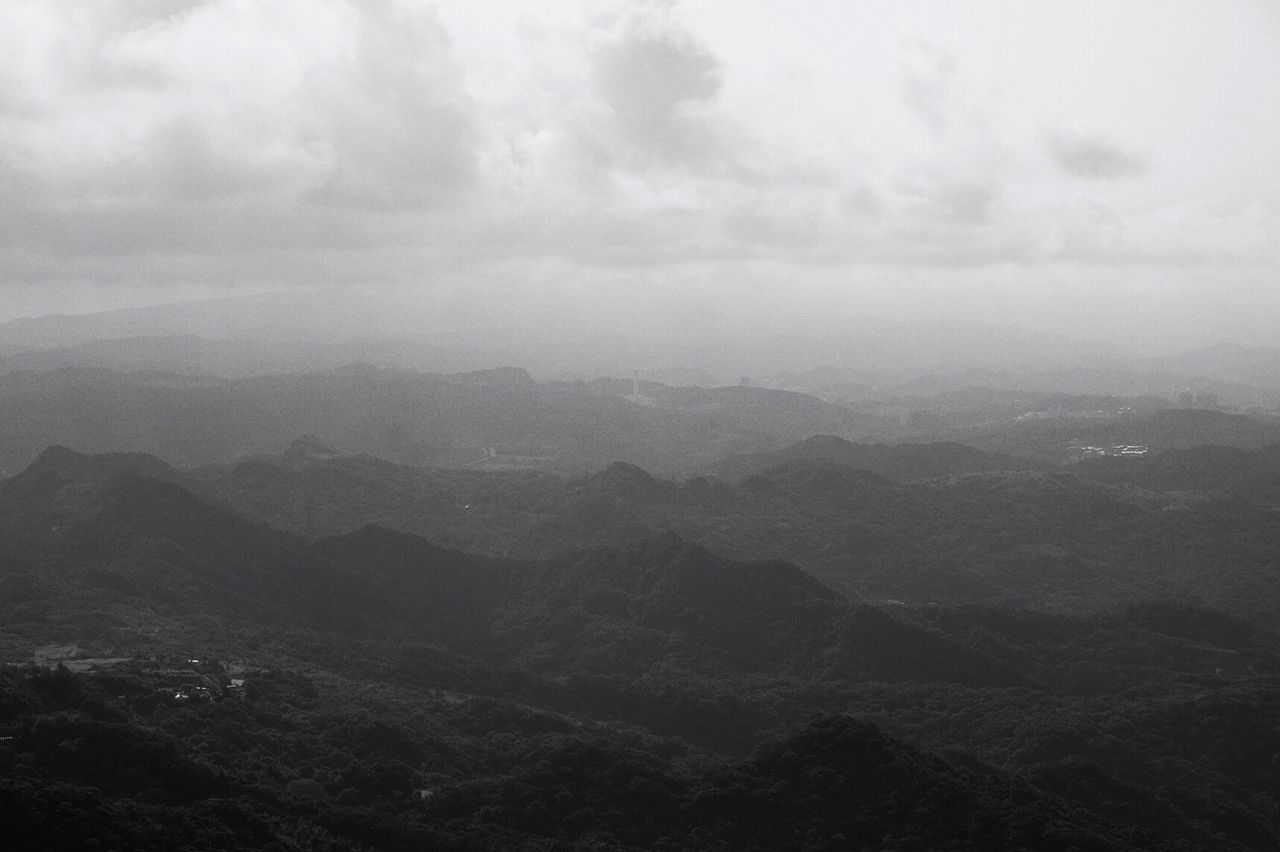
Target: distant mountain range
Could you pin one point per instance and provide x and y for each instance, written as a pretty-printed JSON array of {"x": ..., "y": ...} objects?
[
  {"x": 1258, "y": 366},
  {"x": 490, "y": 419},
  {"x": 305, "y": 332},
  {"x": 502, "y": 418}
]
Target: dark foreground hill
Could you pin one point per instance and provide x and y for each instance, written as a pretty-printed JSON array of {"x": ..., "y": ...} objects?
[
  {"x": 86, "y": 770},
  {"x": 236, "y": 686}
]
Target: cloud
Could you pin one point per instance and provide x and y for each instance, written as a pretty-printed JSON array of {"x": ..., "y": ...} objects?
[
  {"x": 930, "y": 77},
  {"x": 653, "y": 82},
  {"x": 1093, "y": 157},
  {"x": 963, "y": 200},
  {"x": 220, "y": 126},
  {"x": 394, "y": 120},
  {"x": 209, "y": 228},
  {"x": 1092, "y": 230},
  {"x": 618, "y": 149},
  {"x": 413, "y": 140}
]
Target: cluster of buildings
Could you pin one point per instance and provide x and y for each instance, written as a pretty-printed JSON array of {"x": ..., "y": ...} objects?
[{"x": 1122, "y": 450}]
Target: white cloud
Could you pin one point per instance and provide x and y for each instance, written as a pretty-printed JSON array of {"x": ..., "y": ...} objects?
[
  {"x": 930, "y": 78},
  {"x": 216, "y": 126},
  {"x": 239, "y": 140},
  {"x": 394, "y": 121},
  {"x": 1093, "y": 157},
  {"x": 653, "y": 84}
]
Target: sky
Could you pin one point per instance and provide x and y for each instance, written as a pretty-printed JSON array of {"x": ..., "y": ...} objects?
[{"x": 1097, "y": 167}]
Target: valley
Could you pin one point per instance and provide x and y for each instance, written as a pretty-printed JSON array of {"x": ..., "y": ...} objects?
[{"x": 326, "y": 646}]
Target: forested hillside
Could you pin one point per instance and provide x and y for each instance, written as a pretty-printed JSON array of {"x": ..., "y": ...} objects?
[
  {"x": 373, "y": 688},
  {"x": 639, "y": 426},
  {"x": 933, "y": 523}
]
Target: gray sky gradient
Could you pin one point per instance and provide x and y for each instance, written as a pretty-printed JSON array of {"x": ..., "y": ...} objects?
[{"x": 1101, "y": 166}]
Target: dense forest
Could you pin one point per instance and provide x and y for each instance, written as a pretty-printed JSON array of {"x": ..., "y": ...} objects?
[{"x": 812, "y": 644}]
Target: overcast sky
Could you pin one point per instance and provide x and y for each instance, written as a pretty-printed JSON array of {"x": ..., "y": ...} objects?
[{"x": 1106, "y": 167}]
